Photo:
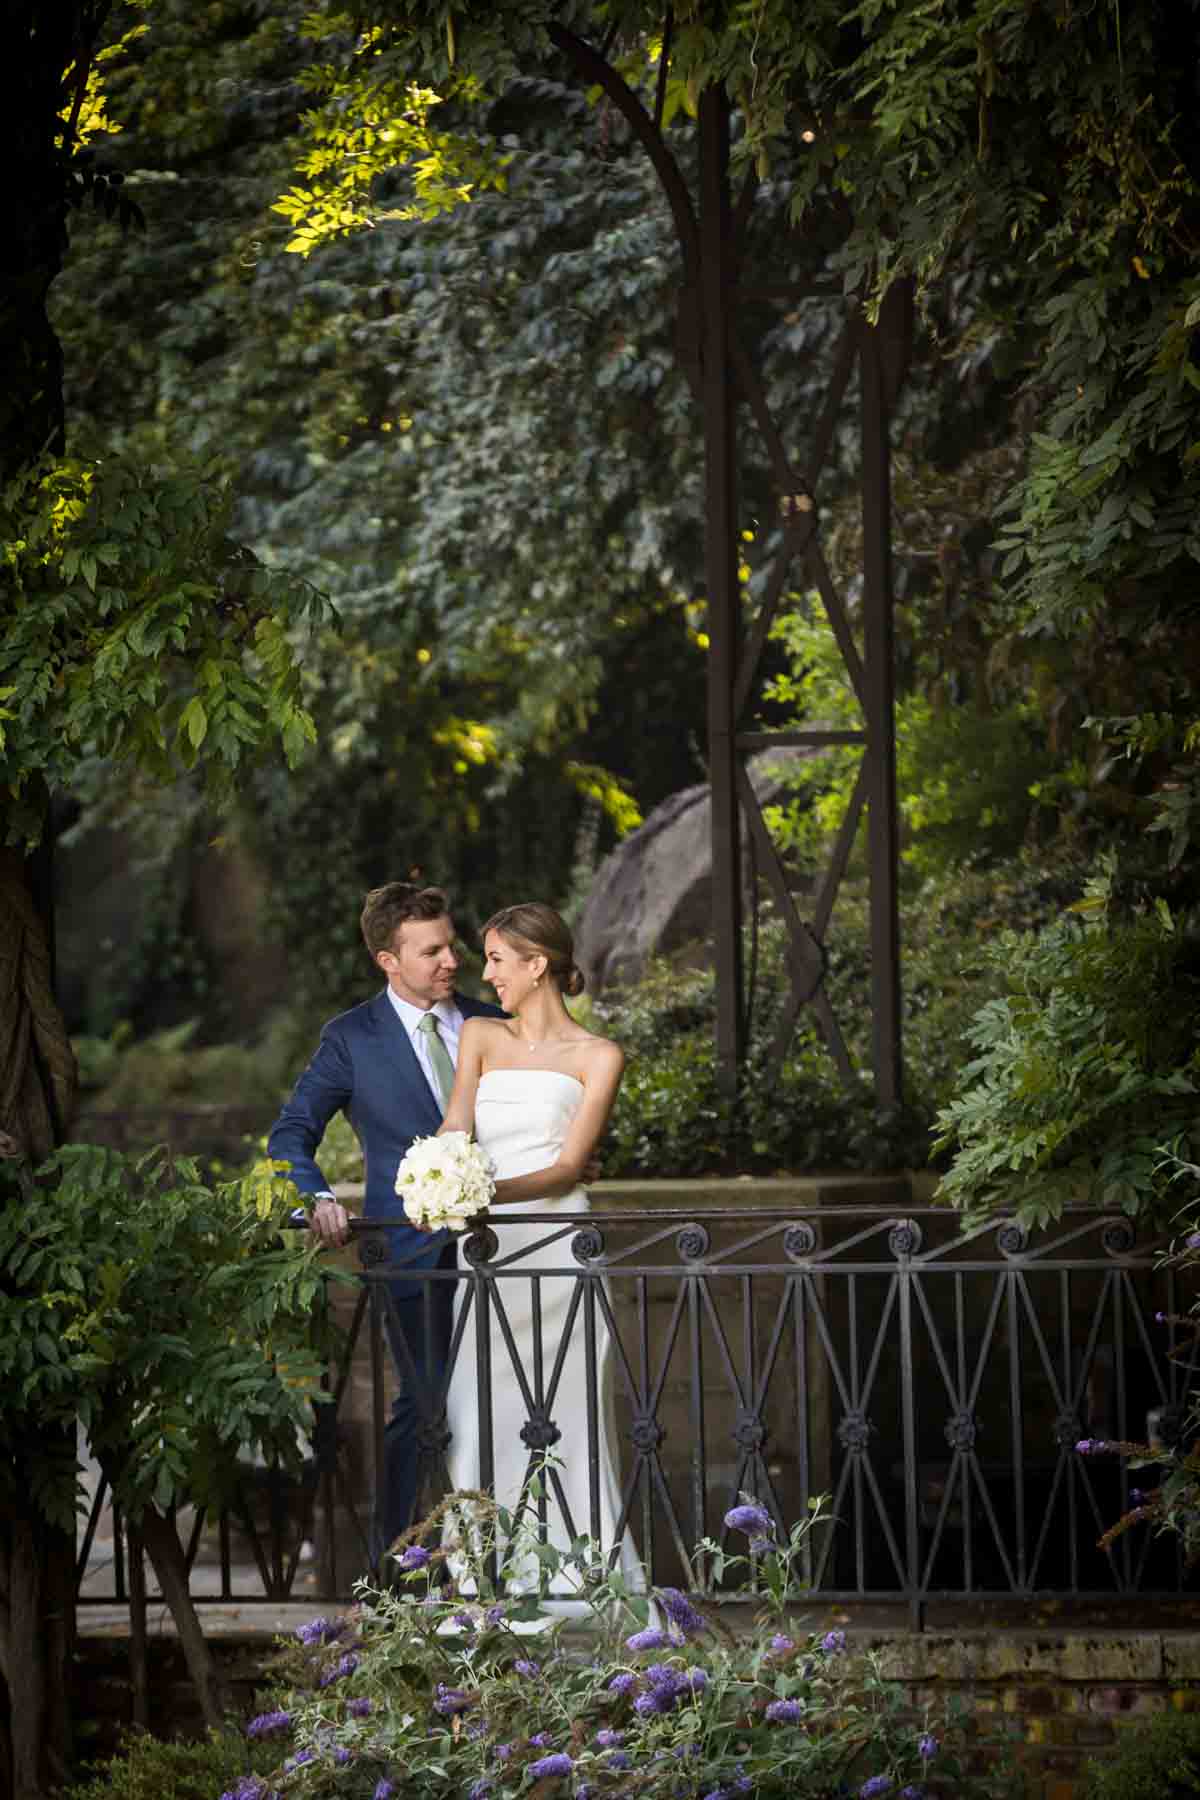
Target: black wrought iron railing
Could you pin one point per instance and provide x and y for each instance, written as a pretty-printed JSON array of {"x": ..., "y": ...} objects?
[{"x": 933, "y": 1385}]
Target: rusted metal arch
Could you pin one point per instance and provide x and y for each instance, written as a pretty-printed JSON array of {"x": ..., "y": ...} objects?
[{"x": 722, "y": 377}]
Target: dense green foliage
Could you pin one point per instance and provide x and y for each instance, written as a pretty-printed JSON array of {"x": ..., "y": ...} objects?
[
  {"x": 1156, "y": 1759},
  {"x": 146, "y": 1768},
  {"x": 168, "y": 1317},
  {"x": 1086, "y": 1066},
  {"x": 669, "y": 1118},
  {"x": 169, "y": 650}
]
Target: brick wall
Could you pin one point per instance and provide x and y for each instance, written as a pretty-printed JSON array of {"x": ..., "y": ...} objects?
[{"x": 1057, "y": 1700}]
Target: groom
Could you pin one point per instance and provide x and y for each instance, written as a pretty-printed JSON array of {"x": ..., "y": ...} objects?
[{"x": 389, "y": 1066}]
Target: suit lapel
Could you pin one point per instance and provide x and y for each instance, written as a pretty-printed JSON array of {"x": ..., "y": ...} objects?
[{"x": 407, "y": 1072}]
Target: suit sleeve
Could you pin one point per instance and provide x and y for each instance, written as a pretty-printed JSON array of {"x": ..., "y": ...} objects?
[{"x": 323, "y": 1090}]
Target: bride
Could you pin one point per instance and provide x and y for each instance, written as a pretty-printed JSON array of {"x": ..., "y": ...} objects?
[{"x": 536, "y": 1089}]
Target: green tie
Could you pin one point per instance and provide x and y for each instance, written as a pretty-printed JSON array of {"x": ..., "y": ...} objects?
[{"x": 439, "y": 1057}]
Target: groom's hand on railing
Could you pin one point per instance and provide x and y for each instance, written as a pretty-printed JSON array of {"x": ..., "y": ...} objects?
[{"x": 330, "y": 1221}]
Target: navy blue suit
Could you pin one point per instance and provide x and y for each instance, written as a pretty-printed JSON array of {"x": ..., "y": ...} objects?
[{"x": 366, "y": 1067}]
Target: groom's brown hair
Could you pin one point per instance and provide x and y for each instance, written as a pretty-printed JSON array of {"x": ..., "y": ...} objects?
[{"x": 393, "y": 905}]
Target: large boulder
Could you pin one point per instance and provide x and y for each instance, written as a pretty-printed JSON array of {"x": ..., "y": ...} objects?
[{"x": 653, "y": 894}]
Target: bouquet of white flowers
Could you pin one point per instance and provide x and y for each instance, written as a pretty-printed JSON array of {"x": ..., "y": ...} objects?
[{"x": 444, "y": 1181}]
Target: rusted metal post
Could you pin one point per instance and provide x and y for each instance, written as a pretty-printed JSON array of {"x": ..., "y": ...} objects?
[
  {"x": 717, "y": 278},
  {"x": 879, "y": 706}
]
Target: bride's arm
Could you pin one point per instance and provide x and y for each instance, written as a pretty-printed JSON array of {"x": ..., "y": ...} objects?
[
  {"x": 460, "y": 1108},
  {"x": 603, "y": 1069}
]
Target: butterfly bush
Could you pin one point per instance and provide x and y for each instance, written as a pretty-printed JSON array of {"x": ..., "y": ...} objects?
[
  {"x": 445, "y": 1181},
  {"x": 432, "y": 1691}
]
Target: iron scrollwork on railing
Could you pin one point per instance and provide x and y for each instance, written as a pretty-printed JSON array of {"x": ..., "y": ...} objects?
[{"x": 934, "y": 1386}]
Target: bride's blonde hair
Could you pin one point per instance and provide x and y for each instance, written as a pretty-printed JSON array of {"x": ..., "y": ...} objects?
[{"x": 535, "y": 929}]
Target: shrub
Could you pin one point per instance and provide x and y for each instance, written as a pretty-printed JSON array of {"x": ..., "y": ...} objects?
[
  {"x": 428, "y": 1691},
  {"x": 1085, "y": 1064},
  {"x": 670, "y": 1118},
  {"x": 1158, "y": 1759},
  {"x": 147, "y": 1769}
]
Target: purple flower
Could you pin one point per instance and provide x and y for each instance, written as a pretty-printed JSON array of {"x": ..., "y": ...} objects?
[
  {"x": 524, "y": 1667},
  {"x": 358, "y": 1709},
  {"x": 1160, "y": 1318},
  {"x": 874, "y": 1784},
  {"x": 558, "y": 1764},
  {"x": 301, "y": 1757},
  {"x": 450, "y": 1700},
  {"x": 608, "y": 1739},
  {"x": 927, "y": 1747},
  {"x": 681, "y": 1612},
  {"x": 540, "y": 1739},
  {"x": 751, "y": 1519},
  {"x": 415, "y": 1557},
  {"x": 1136, "y": 1496},
  {"x": 648, "y": 1704},
  {"x": 761, "y": 1546},
  {"x": 503, "y": 1752},
  {"x": 320, "y": 1631},
  {"x": 1091, "y": 1446},
  {"x": 464, "y": 1620},
  {"x": 1193, "y": 1240},
  {"x": 618, "y": 1759},
  {"x": 341, "y": 1756},
  {"x": 493, "y": 1615},
  {"x": 650, "y": 1638},
  {"x": 250, "y": 1787},
  {"x": 266, "y": 1724},
  {"x": 621, "y": 1683},
  {"x": 781, "y": 1644},
  {"x": 345, "y": 1665},
  {"x": 479, "y": 1788},
  {"x": 916, "y": 1790},
  {"x": 834, "y": 1642},
  {"x": 383, "y": 1789},
  {"x": 697, "y": 1680},
  {"x": 784, "y": 1712}
]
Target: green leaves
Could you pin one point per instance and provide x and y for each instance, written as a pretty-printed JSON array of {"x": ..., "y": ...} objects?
[
  {"x": 134, "y": 629},
  {"x": 1086, "y": 1066},
  {"x": 179, "y": 1322}
]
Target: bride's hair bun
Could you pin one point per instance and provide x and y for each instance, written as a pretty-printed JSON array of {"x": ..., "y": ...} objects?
[
  {"x": 573, "y": 982},
  {"x": 535, "y": 929}
]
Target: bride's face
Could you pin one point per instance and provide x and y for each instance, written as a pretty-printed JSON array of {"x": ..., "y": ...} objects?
[{"x": 510, "y": 973}]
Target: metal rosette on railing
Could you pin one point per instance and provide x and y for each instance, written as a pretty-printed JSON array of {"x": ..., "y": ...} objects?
[
  {"x": 905, "y": 1239},
  {"x": 587, "y": 1245},
  {"x": 480, "y": 1245},
  {"x": 1117, "y": 1236},
  {"x": 799, "y": 1241},
  {"x": 1011, "y": 1238},
  {"x": 373, "y": 1249},
  {"x": 692, "y": 1242}
]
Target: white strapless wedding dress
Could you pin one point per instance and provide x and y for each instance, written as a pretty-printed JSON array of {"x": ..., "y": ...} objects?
[{"x": 540, "y": 1396}]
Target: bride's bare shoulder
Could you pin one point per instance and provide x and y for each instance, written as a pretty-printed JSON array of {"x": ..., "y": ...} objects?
[
  {"x": 601, "y": 1054},
  {"x": 481, "y": 1030}
]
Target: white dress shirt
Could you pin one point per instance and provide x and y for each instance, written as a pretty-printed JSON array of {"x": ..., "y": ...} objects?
[{"x": 450, "y": 1024}]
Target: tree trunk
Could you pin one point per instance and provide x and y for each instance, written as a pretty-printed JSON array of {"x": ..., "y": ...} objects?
[
  {"x": 47, "y": 50},
  {"x": 170, "y": 1565}
]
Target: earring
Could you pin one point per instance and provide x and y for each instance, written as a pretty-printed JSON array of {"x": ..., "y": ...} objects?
[{"x": 537, "y": 981}]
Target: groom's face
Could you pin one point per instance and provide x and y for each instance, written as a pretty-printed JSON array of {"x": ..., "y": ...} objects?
[{"x": 421, "y": 964}]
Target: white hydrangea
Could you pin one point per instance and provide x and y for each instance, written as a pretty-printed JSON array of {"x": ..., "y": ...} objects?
[{"x": 445, "y": 1181}]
